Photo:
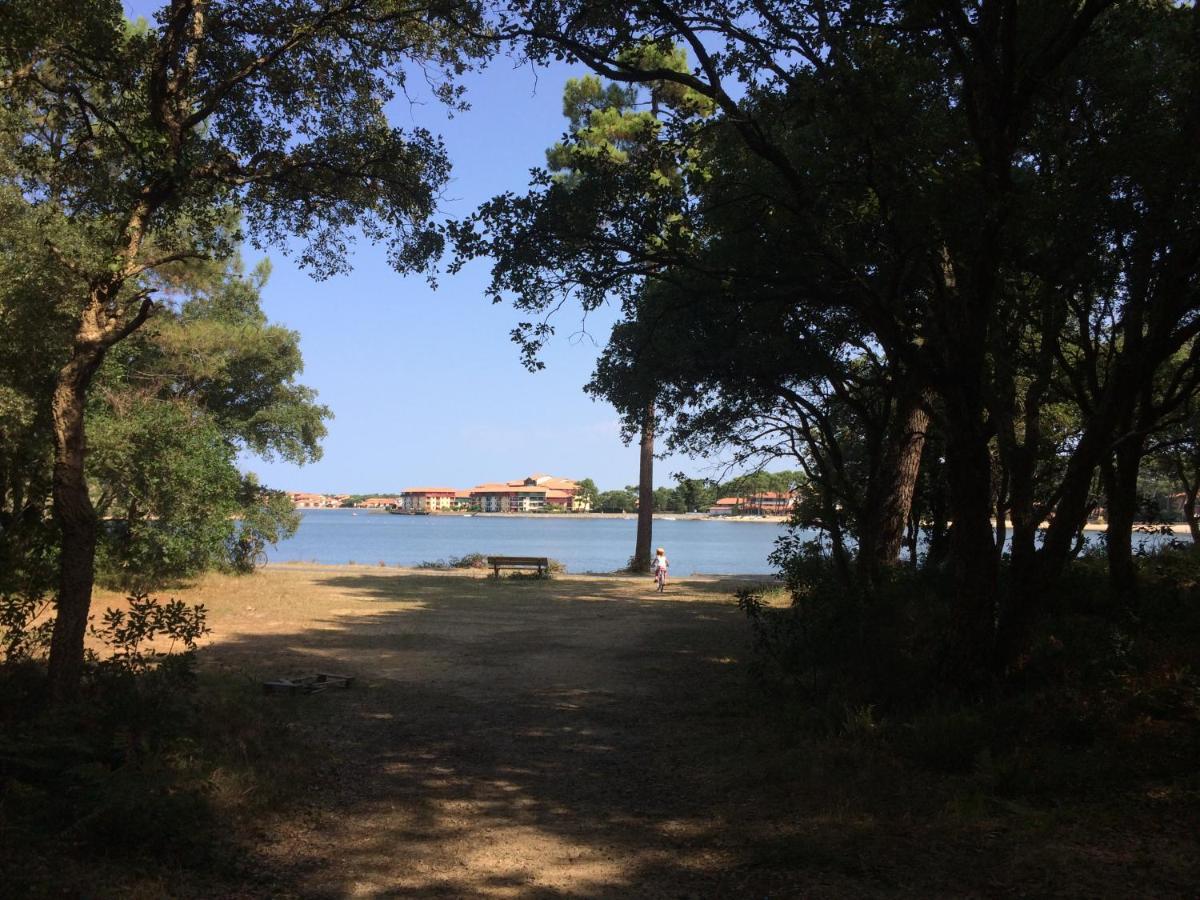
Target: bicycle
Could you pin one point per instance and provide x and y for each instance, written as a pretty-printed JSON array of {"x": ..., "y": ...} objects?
[
  {"x": 249, "y": 553},
  {"x": 660, "y": 578}
]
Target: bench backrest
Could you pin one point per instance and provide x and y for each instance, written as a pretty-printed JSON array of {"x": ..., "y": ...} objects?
[{"x": 518, "y": 561}]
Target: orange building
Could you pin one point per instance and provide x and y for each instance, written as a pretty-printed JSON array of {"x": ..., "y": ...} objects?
[
  {"x": 428, "y": 499},
  {"x": 379, "y": 503},
  {"x": 533, "y": 494},
  {"x": 766, "y": 503},
  {"x": 306, "y": 500}
]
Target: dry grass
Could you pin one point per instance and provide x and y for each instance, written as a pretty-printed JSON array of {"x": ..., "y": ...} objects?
[{"x": 584, "y": 737}]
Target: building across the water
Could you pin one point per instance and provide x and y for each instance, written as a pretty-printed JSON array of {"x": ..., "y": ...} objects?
[
  {"x": 536, "y": 493},
  {"x": 379, "y": 503},
  {"x": 306, "y": 500},
  {"x": 428, "y": 499},
  {"x": 766, "y": 503}
]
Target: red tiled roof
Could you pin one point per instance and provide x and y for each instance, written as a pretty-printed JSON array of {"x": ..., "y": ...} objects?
[
  {"x": 430, "y": 490},
  {"x": 754, "y": 498}
]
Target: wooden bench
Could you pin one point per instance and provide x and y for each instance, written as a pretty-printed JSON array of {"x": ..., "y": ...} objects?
[{"x": 541, "y": 563}]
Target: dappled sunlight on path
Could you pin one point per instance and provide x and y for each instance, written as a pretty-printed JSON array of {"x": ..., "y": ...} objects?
[
  {"x": 508, "y": 739},
  {"x": 585, "y": 737}
]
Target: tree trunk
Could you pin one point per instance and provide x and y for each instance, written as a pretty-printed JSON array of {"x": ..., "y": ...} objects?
[
  {"x": 1071, "y": 511},
  {"x": 1189, "y": 513},
  {"x": 75, "y": 517},
  {"x": 972, "y": 550},
  {"x": 645, "y": 520},
  {"x": 900, "y": 465},
  {"x": 1019, "y": 603},
  {"x": 938, "y": 547},
  {"x": 1120, "y": 485}
]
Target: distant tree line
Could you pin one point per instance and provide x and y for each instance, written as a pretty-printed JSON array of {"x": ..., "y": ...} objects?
[{"x": 697, "y": 494}]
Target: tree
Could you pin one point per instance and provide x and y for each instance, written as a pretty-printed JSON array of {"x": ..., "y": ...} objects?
[
  {"x": 1174, "y": 453},
  {"x": 171, "y": 408},
  {"x": 613, "y": 242},
  {"x": 129, "y": 143},
  {"x": 621, "y": 501},
  {"x": 695, "y": 494},
  {"x": 169, "y": 411},
  {"x": 589, "y": 493},
  {"x": 608, "y": 125},
  {"x": 666, "y": 500},
  {"x": 981, "y": 220},
  {"x": 746, "y": 368}
]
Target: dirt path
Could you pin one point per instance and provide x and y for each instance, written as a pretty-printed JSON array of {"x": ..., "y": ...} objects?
[
  {"x": 583, "y": 737},
  {"x": 519, "y": 739}
]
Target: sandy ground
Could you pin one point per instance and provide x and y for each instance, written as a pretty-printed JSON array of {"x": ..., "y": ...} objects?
[
  {"x": 584, "y": 737},
  {"x": 511, "y": 739}
]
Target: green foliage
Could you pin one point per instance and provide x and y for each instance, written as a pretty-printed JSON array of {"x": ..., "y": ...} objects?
[
  {"x": 127, "y": 149},
  {"x": 589, "y": 493},
  {"x": 947, "y": 740},
  {"x": 695, "y": 494},
  {"x": 892, "y": 208},
  {"x": 466, "y": 561},
  {"x": 173, "y": 407},
  {"x": 131, "y": 632},
  {"x": 25, "y": 627},
  {"x": 170, "y": 100},
  {"x": 175, "y": 478},
  {"x": 267, "y": 517},
  {"x": 617, "y": 501},
  {"x": 1105, "y": 692}
]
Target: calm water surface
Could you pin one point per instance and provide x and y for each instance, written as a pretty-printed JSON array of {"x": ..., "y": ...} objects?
[{"x": 584, "y": 544}]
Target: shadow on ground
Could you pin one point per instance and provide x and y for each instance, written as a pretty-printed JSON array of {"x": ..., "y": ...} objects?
[{"x": 570, "y": 739}]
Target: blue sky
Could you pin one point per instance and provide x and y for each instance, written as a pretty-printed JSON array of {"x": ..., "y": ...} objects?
[{"x": 425, "y": 386}]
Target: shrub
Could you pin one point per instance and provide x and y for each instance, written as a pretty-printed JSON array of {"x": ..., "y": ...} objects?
[
  {"x": 947, "y": 740},
  {"x": 840, "y": 646},
  {"x": 130, "y": 633},
  {"x": 25, "y": 627}
]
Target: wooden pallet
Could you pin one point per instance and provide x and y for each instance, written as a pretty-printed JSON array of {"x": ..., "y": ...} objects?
[{"x": 307, "y": 684}]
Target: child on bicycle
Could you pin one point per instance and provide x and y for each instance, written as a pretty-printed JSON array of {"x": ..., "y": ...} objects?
[{"x": 658, "y": 567}]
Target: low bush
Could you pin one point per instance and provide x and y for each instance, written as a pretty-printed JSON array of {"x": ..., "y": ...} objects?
[
  {"x": 128, "y": 776},
  {"x": 466, "y": 561},
  {"x": 469, "y": 561},
  {"x": 553, "y": 567},
  {"x": 1106, "y": 694}
]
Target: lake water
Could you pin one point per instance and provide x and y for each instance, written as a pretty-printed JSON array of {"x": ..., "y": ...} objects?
[{"x": 583, "y": 544}]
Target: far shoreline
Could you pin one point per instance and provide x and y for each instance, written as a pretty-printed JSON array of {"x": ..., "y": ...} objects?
[
  {"x": 1176, "y": 527},
  {"x": 450, "y": 514}
]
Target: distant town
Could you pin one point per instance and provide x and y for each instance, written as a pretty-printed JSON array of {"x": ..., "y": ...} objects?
[{"x": 541, "y": 493}]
